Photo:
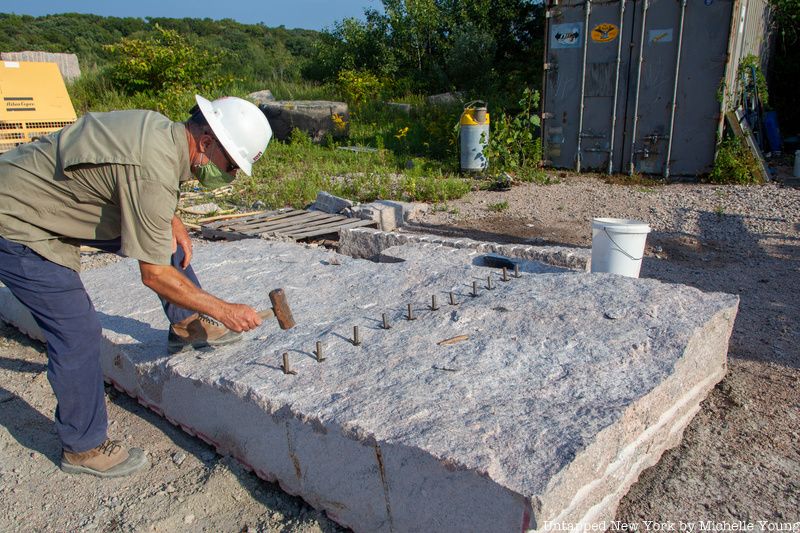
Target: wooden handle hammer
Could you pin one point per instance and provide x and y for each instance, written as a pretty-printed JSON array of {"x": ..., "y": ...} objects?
[{"x": 280, "y": 310}]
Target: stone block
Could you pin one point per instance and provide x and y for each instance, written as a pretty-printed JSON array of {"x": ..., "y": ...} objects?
[
  {"x": 261, "y": 97},
  {"x": 314, "y": 117},
  {"x": 567, "y": 386},
  {"x": 387, "y": 215},
  {"x": 353, "y": 241},
  {"x": 445, "y": 99},
  {"x": 390, "y": 214},
  {"x": 400, "y": 107},
  {"x": 329, "y": 203}
]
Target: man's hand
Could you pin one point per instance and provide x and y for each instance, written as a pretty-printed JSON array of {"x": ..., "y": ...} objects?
[
  {"x": 171, "y": 284},
  {"x": 180, "y": 237},
  {"x": 239, "y": 317}
]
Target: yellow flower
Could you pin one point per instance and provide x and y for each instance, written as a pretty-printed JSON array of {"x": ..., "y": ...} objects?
[
  {"x": 339, "y": 123},
  {"x": 401, "y": 133}
]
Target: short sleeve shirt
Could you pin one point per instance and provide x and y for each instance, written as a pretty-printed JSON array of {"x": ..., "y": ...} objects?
[{"x": 109, "y": 175}]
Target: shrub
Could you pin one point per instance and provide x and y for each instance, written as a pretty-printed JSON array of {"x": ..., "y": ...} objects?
[
  {"x": 164, "y": 62},
  {"x": 734, "y": 163},
  {"x": 514, "y": 144},
  {"x": 358, "y": 87},
  {"x": 747, "y": 66}
]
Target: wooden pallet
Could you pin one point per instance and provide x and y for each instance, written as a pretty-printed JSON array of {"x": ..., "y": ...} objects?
[{"x": 295, "y": 224}]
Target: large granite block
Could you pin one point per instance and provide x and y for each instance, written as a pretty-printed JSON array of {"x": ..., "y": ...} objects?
[
  {"x": 567, "y": 387},
  {"x": 368, "y": 243}
]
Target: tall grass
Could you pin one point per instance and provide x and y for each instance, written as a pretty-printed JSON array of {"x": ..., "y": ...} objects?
[{"x": 415, "y": 157}]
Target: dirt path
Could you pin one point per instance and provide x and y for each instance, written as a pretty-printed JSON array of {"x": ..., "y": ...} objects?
[{"x": 739, "y": 458}]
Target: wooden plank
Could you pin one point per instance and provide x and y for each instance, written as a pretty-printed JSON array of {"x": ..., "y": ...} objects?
[
  {"x": 311, "y": 226},
  {"x": 266, "y": 215},
  {"x": 354, "y": 224},
  {"x": 324, "y": 231},
  {"x": 284, "y": 223},
  {"x": 250, "y": 224},
  {"x": 269, "y": 218},
  {"x": 742, "y": 130},
  {"x": 214, "y": 234},
  {"x": 229, "y": 217}
]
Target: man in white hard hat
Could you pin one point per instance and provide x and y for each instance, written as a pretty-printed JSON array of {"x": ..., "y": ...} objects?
[{"x": 112, "y": 180}]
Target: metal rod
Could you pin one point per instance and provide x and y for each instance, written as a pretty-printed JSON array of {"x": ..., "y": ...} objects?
[
  {"x": 505, "y": 274},
  {"x": 675, "y": 89},
  {"x": 434, "y": 303},
  {"x": 474, "y": 289},
  {"x": 320, "y": 357},
  {"x": 385, "y": 321},
  {"x": 410, "y": 315},
  {"x": 516, "y": 271},
  {"x": 583, "y": 80},
  {"x": 632, "y": 164},
  {"x": 616, "y": 87},
  {"x": 286, "y": 368},
  {"x": 356, "y": 337},
  {"x": 489, "y": 282},
  {"x": 453, "y": 299}
]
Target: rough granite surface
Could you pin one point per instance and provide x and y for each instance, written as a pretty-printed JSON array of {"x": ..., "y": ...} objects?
[
  {"x": 368, "y": 243},
  {"x": 568, "y": 385}
]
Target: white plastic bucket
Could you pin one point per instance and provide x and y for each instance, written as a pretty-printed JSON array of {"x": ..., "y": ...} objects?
[{"x": 618, "y": 245}]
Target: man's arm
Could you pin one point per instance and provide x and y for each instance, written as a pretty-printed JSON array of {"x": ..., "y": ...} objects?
[{"x": 170, "y": 284}]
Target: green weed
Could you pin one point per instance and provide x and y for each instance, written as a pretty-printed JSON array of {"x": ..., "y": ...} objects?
[
  {"x": 734, "y": 163},
  {"x": 499, "y": 207}
]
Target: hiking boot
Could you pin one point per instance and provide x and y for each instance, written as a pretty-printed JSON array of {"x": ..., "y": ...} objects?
[
  {"x": 199, "y": 331},
  {"x": 109, "y": 459}
]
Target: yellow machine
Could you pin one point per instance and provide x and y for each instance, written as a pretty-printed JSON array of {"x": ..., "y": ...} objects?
[{"x": 34, "y": 102}]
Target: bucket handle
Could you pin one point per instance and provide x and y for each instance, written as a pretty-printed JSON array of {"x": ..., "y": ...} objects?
[
  {"x": 469, "y": 105},
  {"x": 621, "y": 249}
]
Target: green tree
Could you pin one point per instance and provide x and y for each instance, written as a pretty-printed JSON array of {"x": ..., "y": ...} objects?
[
  {"x": 161, "y": 63},
  {"x": 784, "y": 67},
  {"x": 485, "y": 46}
]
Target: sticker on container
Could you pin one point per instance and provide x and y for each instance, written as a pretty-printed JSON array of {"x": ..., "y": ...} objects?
[
  {"x": 565, "y": 36},
  {"x": 659, "y": 36},
  {"x": 11, "y": 64},
  {"x": 604, "y": 33}
]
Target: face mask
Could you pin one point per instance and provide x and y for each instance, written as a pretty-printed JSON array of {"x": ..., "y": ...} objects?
[{"x": 211, "y": 176}]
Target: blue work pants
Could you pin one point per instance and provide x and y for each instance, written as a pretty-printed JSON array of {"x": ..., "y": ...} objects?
[{"x": 56, "y": 298}]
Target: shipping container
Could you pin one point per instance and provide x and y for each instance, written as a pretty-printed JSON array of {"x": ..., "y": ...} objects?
[{"x": 642, "y": 85}]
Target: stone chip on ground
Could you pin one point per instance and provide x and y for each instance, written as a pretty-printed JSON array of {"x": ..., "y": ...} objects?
[{"x": 551, "y": 415}]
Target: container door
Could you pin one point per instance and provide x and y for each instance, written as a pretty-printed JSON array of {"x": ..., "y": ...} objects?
[
  {"x": 562, "y": 82},
  {"x": 656, "y": 35},
  {"x": 583, "y": 139},
  {"x": 606, "y": 70},
  {"x": 700, "y": 86}
]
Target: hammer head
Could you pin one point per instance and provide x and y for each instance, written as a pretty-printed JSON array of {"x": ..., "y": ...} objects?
[{"x": 281, "y": 309}]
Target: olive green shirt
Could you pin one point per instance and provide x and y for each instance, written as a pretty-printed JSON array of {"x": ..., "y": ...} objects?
[{"x": 108, "y": 175}]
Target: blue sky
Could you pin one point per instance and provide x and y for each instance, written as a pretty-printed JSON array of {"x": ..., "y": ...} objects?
[{"x": 310, "y": 14}]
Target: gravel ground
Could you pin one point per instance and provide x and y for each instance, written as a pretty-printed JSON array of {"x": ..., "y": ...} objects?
[{"x": 739, "y": 458}]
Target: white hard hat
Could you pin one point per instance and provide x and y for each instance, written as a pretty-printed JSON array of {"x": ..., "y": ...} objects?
[{"x": 240, "y": 126}]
